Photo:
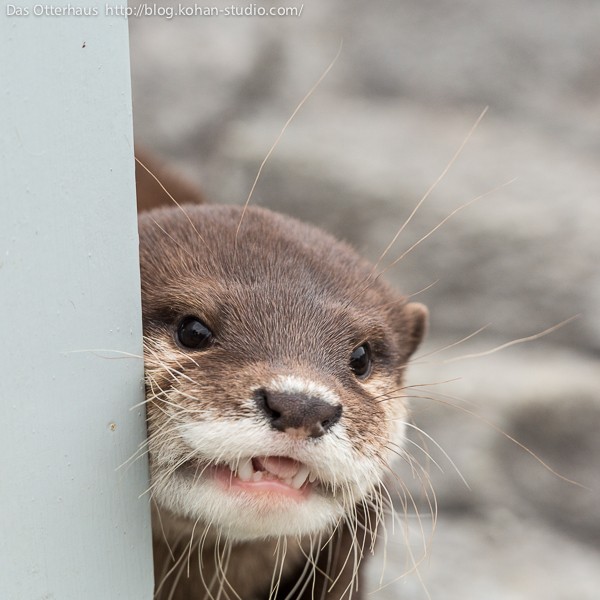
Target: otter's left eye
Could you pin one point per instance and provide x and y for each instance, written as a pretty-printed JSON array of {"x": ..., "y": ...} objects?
[{"x": 360, "y": 361}]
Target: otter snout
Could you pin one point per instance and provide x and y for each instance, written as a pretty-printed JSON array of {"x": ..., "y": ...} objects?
[{"x": 298, "y": 413}]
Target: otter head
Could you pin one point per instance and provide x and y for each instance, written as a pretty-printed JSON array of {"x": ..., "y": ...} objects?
[{"x": 274, "y": 371}]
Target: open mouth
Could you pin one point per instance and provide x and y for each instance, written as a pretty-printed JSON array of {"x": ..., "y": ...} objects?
[{"x": 275, "y": 475}]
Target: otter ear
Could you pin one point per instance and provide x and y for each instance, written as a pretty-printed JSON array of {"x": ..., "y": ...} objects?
[{"x": 416, "y": 318}]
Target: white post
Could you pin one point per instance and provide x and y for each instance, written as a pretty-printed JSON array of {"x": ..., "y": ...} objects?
[{"x": 72, "y": 525}]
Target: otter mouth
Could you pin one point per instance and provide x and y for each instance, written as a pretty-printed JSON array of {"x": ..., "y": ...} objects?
[{"x": 274, "y": 475}]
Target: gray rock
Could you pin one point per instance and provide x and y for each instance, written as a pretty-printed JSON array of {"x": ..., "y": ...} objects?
[{"x": 498, "y": 558}]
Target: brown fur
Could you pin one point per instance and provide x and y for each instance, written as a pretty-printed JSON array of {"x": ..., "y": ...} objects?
[{"x": 280, "y": 296}]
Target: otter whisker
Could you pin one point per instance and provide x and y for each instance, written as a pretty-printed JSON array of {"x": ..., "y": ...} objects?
[
  {"x": 179, "y": 206},
  {"x": 530, "y": 338},
  {"x": 400, "y": 452},
  {"x": 207, "y": 587},
  {"x": 177, "y": 243},
  {"x": 97, "y": 352},
  {"x": 439, "y": 447},
  {"x": 415, "y": 562},
  {"x": 278, "y": 566},
  {"x": 403, "y": 299},
  {"x": 303, "y": 578},
  {"x": 426, "y": 236},
  {"x": 387, "y": 396},
  {"x": 351, "y": 522},
  {"x": 419, "y": 357},
  {"x": 278, "y": 138},
  {"x": 168, "y": 473},
  {"x": 175, "y": 566},
  {"x": 431, "y": 188},
  {"x": 223, "y": 566}
]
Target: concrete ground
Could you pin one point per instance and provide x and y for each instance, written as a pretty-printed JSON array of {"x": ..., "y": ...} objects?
[{"x": 211, "y": 95}]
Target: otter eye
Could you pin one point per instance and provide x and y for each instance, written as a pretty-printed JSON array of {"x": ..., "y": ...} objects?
[
  {"x": 360, "y": 361},
  {"x": 193, "y": 333}
]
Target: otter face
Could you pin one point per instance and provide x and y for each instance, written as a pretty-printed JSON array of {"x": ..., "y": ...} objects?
[{"x": 274, "y": 369}]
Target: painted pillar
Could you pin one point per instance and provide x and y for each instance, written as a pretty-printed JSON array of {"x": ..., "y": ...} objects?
[{"x": 72, "y": 523}]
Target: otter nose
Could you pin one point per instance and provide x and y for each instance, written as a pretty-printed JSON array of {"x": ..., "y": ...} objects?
[{"x": 308, "y": 414}]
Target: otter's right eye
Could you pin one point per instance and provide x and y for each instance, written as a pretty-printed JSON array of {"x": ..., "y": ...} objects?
[
  {"x": 360, "y": 361},
  {"x": 193, "y": 333}
]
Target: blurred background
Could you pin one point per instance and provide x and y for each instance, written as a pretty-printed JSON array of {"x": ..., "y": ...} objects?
[{"x": 211, "y": 95}]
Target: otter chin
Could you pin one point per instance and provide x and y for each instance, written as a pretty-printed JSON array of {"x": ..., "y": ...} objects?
[{"x": 275, "y": 364}]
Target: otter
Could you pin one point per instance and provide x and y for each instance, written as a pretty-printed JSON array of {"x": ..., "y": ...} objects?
[{"x": 274, "y": 367}]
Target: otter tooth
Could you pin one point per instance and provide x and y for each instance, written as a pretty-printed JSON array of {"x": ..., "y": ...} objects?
[
  {"x": 300, "y": 477},
  {"x": 257, "y": 476},
  {"x": 312, "y": 478},
  {"x": 245, "y": 471}
]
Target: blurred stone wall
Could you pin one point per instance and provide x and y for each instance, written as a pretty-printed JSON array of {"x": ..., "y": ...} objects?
[{"x": 212, "y": 94}]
